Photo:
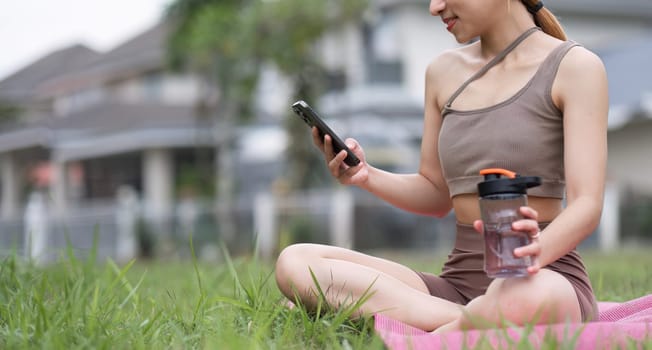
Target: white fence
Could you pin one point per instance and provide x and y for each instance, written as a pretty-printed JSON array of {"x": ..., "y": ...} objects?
[
  {"x": 42, "y": 236},
  {"x": 342, "y": 217}
]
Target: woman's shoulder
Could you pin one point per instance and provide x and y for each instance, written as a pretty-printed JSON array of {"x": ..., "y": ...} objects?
[
  {"x": 580, "y": 63},
  {"x": 450, "y": 58},
  {"x": 580, "y": 71},
  {"x": 447, "y": 71},
  {"x": 450, "y": 66},
  {"x": 580, "y": 58}
]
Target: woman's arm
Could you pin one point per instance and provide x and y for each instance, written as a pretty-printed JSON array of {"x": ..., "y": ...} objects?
[
  {"x": 580, "y": 91},
  {"x": 425, "y": 192}
]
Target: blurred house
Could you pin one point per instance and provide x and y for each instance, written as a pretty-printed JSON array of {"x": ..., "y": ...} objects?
[{"x": 93, "y": 123}]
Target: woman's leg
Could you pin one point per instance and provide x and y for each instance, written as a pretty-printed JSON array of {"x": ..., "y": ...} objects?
[
  {"x": 345, "y": 275},
  {"x": 544, "y": 298}
]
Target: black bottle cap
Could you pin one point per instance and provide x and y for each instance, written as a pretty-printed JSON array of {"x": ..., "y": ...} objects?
[{"x": 501, "y": 181}]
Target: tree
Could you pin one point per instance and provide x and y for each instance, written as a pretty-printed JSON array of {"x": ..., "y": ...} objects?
[
  {"x": 292, "y": 27},
  {"x": 226, "y": 42},
  {"x": 214, "y": 39}
]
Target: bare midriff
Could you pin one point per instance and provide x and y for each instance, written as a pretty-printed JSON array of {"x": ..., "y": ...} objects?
[{"x": 467, "y": 208}]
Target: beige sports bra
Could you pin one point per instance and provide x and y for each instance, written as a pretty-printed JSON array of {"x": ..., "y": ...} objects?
[{"x": 523, "y": 133}]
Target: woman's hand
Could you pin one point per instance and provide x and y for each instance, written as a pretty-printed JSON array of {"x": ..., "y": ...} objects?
[
  {"x": 345, "y": 174},
  {"x": 529, "y": 225}
]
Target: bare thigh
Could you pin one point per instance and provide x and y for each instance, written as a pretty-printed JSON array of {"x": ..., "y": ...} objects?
[{"x": 345, "y": 276}]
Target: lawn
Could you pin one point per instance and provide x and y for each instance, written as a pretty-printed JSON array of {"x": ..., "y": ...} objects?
[{"x": 233, "y": 305}]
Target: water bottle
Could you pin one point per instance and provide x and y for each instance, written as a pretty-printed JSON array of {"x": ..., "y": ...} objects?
[{"x": 501, "y": 194}]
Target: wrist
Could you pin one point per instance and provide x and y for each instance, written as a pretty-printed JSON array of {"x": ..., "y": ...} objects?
[{"x": 367, "y": 183}]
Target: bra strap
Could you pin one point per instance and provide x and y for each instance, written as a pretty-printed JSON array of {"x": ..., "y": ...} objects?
[{"x": 499, "y": 57}]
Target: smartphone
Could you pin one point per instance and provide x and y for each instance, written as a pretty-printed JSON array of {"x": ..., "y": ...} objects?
[{"x": 310, "y": 117}]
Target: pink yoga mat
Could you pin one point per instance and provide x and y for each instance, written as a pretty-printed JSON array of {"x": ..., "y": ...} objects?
[{"x": 619, "y": 325}]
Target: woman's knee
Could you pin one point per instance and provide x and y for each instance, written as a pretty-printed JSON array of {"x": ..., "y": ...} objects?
[
  {"x": 290, "y": 264},
  {"x": 293, "y": 256},
  {"x": 549, "y": 298},
  {"x": 543, "y": 298}
]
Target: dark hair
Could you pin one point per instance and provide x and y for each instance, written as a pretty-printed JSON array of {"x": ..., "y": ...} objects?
[{"x": 547, "y": 21}]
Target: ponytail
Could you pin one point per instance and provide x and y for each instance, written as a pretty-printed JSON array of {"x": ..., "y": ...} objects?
[{"x": 546, "y": 20}]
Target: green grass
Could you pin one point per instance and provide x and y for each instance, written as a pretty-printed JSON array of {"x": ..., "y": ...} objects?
[{"x": 179, "y": 305}]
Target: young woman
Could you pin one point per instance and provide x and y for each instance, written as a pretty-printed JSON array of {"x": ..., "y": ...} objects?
[{"x": 522, "y": 98}]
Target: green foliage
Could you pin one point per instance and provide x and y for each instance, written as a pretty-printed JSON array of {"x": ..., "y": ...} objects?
[
  {"x": 216, "y": 39},
  {"x": 239, "y": 33},
  {"x": 194, "y": 181},
  {"x": 9, "y": 113}
]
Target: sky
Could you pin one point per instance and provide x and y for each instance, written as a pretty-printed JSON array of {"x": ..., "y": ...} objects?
[{"x": 30, "y": 29}]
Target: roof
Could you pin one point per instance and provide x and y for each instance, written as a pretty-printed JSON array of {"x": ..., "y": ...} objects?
[
  {"x": 31, "y": 137},
  {"x": 113, "y": 128},
  {"x": 78, "y": 66},
  {"x": 130, "y": 141},
  {"x": 118, "y": 128},
  {"x": 112, "y": 117},
  {"x": 143, "y": 52},
  {"x": 20, "y": 86}
]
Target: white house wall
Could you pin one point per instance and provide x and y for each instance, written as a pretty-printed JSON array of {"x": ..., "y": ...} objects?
[
  {"x": 273, "y": 92},
  {"x": 180, "y": 89},
  {"x": 172, "y": 89}
]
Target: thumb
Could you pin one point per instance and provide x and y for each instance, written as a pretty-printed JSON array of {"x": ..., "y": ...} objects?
[{"x": 351, "y": 144}]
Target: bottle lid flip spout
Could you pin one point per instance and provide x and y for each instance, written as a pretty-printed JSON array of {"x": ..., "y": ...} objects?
[{"x": 502, "y": 181}]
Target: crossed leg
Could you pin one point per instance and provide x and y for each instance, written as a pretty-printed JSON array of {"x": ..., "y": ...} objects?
[
  {"x": 544, "y": 298},
  {"x": 345, "y": 275},
  {"x": 398, "y": 292}
]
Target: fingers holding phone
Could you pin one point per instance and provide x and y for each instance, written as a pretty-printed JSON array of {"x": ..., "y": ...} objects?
[
  {"x": 317, "y": 139},
  {"x": 345, "y": 174},
  {"x": 345, "y": 160}
]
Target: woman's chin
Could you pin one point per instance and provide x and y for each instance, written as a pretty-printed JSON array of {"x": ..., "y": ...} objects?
[
  {"x": 465, "y": 39},
  {"x": 460, "y": 37}
]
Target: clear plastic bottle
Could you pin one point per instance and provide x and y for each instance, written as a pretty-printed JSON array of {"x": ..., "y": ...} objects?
[{"x": 502, "y": 193}]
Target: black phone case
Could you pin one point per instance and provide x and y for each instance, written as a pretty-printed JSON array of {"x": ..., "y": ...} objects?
[{"x": 311, "y": 118}]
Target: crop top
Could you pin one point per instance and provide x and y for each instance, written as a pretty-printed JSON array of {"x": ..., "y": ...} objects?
[{"x": 523, "y": 133}]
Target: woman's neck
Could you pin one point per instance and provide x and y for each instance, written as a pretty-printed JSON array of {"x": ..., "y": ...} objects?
[{"x": 505, "y": 31}]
